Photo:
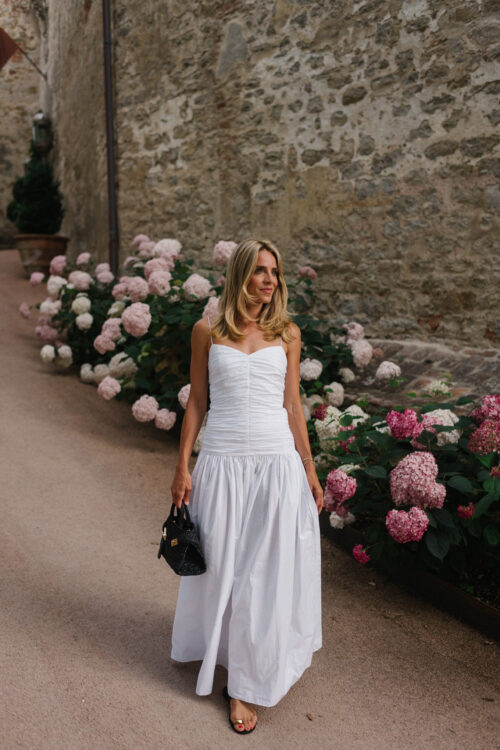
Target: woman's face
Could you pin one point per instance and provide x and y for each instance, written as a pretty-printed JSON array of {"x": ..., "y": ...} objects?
[{"x": 264, "y": 279}]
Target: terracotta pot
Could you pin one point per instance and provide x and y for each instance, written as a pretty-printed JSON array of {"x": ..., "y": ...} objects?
[{"x": 37, "y": 250}]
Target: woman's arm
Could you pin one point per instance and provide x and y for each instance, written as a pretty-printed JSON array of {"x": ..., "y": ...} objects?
[
  {"x": 196, "y": 408},
  {"x": 296, "y": 418}
]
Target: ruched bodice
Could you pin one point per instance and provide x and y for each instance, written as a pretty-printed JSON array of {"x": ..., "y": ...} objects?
[{"x": 246, "y": 414}]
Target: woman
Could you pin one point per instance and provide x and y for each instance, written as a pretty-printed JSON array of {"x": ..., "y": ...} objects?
[{"x": 254, "y": 495}]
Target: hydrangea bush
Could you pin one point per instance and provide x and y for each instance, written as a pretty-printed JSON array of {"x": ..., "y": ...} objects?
[
  {"x": 130, "y": 336},
  {"x": 422, "y": 484}
]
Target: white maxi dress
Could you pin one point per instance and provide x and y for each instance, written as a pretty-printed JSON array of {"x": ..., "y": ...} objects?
[{"x": 257, "y": 608}]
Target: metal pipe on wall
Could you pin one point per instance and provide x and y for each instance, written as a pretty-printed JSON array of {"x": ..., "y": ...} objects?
[{"x": 110, "y": 144}]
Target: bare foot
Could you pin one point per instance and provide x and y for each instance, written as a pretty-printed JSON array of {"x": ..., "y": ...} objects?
[{"x": 242, "y": 710}]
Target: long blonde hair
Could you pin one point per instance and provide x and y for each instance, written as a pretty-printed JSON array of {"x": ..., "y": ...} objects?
[{"x": 233, "y": 304}]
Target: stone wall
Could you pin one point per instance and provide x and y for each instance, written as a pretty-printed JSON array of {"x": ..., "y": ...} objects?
[
  {"x": 19, "y": 102},
  {"x": 361, "y": 137}
]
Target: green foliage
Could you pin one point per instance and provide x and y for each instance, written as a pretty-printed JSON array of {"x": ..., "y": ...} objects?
[{"x": 37, "y": 204}]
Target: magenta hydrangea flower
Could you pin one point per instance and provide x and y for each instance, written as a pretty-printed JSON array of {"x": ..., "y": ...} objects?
[
  {"x": 466, "y": 511},
  {"x": 413, "y": 482},
  {"x": 407, "y": 526},
  {"x": 486, "y": 438},
  {"x": 489, "y": 409},
  {"x": 495, "y": 471},
  {"x": 403, "y": 425},
  {"x": 360, "y": 554},
  {"x": 340, "y": 485}
]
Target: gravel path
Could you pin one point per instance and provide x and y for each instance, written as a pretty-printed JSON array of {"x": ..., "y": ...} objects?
[{"x": 86, "y": 608}]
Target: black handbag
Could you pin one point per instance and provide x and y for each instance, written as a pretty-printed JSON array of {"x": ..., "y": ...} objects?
[{"x": 180, "y": 544}]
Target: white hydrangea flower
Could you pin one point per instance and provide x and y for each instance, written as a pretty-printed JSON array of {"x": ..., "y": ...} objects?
[
  {"x": 81, "y": 304},
  {"x": 346, "y": 375},
  {"x": 84, "y": 321},
  {"x": 54, "y": 285},
  {"x": 64, "y": 352},
  {"x": 100, "y": 372},
  {"x": 47, "y": 353},
  {"x": 357, "y": 411},
  {"x": 438, "y": 387},
  {"x": 312, "y": 401},
  {"x": 310, "y": 369},
  {"x": 387, "y": 371},
  {"x": 448, "y": 418},
  {"x": 307, "y": 412},
  {"x": 122, "y": 366},
  {"x": 348, "y": 468},
  {"x": 50, "y": 307},
  {"x": 334, "y": 396},
  {"x": 86, "y": 373},
  {"x": 116, "y": 309},
  {"x": 337, "y": 522},
  {"x": 328, "y": 428}
]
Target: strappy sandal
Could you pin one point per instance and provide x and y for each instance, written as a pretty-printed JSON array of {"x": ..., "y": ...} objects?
[{"x": 235, "y": 721}]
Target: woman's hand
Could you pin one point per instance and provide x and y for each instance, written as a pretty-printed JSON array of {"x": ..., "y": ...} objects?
[
  {"x": 314, "y": 484},
  {"x": 181, "y": 486}
]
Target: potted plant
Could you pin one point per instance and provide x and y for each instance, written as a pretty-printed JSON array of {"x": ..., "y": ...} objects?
[{"x": 37, "y": 212}]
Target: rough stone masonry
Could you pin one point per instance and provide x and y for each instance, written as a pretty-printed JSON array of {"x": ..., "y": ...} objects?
[{"x": 361, "y": 137}]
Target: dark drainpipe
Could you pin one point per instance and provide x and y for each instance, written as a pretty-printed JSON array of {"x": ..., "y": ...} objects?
[{"x": 110, "y": 144}]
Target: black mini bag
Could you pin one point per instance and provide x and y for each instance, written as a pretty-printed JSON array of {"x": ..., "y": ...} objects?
[{"x": 180, "y": 544}]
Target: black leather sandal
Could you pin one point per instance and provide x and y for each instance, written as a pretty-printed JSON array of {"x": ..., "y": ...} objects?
[{"x": 236, "y": 721}]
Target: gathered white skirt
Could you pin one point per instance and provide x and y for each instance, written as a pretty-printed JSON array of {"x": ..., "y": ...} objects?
[{"x": 257, "y": 608}]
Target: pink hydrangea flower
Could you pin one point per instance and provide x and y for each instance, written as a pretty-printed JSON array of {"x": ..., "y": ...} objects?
[
  {"x": 105, "y": 277},
  {"x": 24, "y": 310},
  {"x": 169, "y": 248},
  {"x": 406, "y": 526},
  {"x": 223, "y": 251},
  {"x": 111, "y": 328},
  {"x": 128, "y": 261},
  {"x": 362, "y": 352},
  {"x": 108, "y": 388},
  {"x": 220, "y": 281},
  {"x": 335, "y": 394},
  {"x": 119, "y": 291},
  {"x": 413, "y": 482},
  {"x": 197, "y": 286},
  {"x": 47, "y": 333},
  {"x": 344, "y": 444},
  {"x": 360, "y": 554},
  {"x": 102, "y": 267},
  {"x": 489, "y": 409},
  {"x": 138, "y": 239},
  {"x": 307, "y": 272},
  {"x": 403, "y": 425},
  {"x": 165, "y": 419},
  {"x": 145, "y": 408},
  {"x": 82, "y": 259},
  {"x": 136, "y": 319},
  {"x": 466, "y": 511},
  {"x": 183, "y": 395},
  {"x": 159, "y": 282},
  {"x": 137, "y": 288},
  {"x": 103, "y": 344},
  {"x": 211, "y": 309},
  {"x": 57, "y": 265},
  {"x": 486, "y": 438},
  {"x": 145, "y": 249},
  {"x": 36, "y": 278},
  {"x": 157, "y": 264},
  {"x": 310, "y": 369},
  {"x": 81, "y": 280},
  {"x": 341, "y": 485},
  {"x": 354, "y": 331}
]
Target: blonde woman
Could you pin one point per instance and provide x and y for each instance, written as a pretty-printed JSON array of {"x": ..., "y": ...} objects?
[{"x": 254, "y": 495}]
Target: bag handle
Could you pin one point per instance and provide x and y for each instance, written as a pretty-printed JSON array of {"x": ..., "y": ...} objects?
[{"x": 182, "y": 513}]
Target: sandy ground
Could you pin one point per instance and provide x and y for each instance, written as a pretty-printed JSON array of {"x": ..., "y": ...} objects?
[{"x": 86, "y": 607}]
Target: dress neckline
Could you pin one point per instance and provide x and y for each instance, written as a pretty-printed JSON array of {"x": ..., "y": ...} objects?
[{"x": 245, "y": 354}]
